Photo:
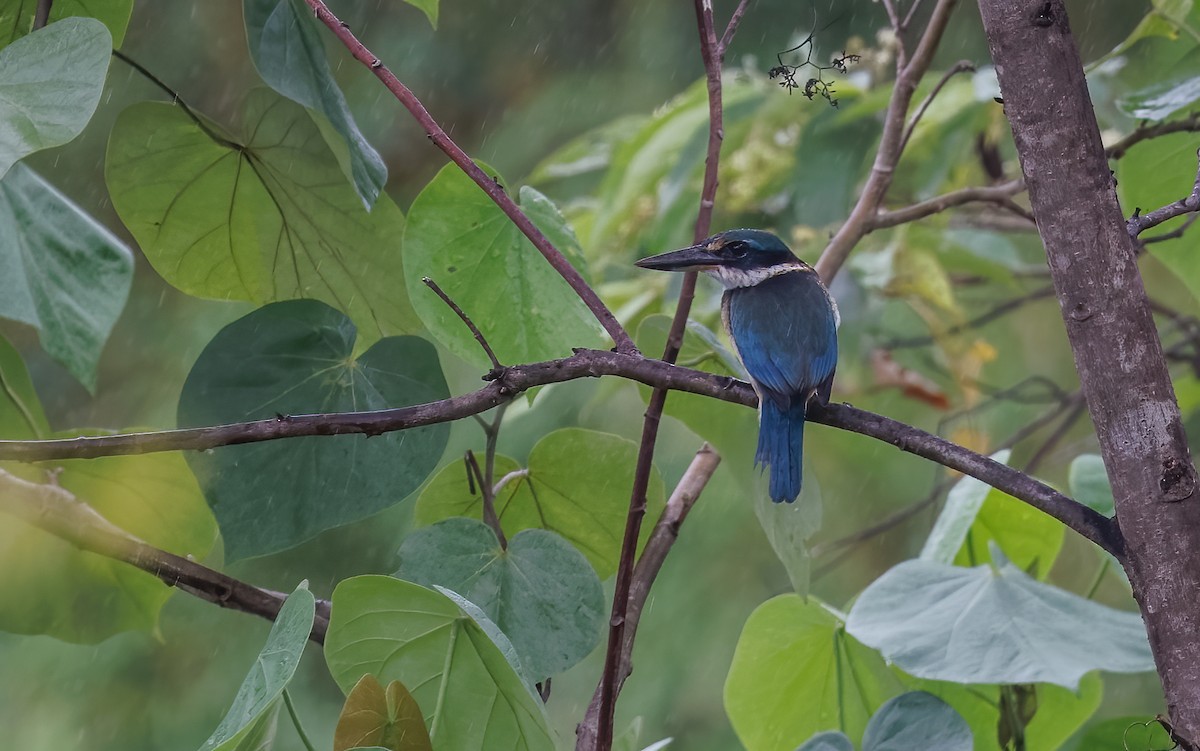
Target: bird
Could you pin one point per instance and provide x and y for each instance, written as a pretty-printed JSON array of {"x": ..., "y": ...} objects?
[{"x": 783, "y": 325}]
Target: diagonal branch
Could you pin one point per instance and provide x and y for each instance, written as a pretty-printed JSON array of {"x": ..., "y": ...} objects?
[
  {"x": 998, "y": 194},
  {"x": 494, "y": 190},
  {"x": 55, "y": 510},
  {"x": 859, "y": 223},
  {"x": 1139, "y": 222}
]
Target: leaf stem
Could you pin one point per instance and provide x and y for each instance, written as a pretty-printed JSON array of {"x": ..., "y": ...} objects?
[{"x": 287, "y": 700}]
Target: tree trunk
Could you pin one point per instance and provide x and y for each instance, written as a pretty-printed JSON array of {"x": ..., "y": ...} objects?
[{"x": 1113, "y": 338}]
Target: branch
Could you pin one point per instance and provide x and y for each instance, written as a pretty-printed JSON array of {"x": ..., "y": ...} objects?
[
  {"x": 586, "y": 363},
  {"x": 997, "y": 312},
  {"x": 998, "y": 194},
  {"x": 442, "y": 140},
  {"x": 1144, "y": 132},
  {"x": 962, "y": 66},
  {"x": 862, "y": 216},
  {"x": 731, "y": 28},
  {"x": 475, "y": 332},
  {"x": 666, "y": 531},
  {"x": 42, "y": 14},
  {"x": 608, "y": 688},
  {"x": 55, "y": 510},
  {"x": 1139, "y": 222}
]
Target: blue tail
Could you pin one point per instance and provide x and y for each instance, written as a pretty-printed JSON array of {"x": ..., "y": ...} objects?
[{"x": 781, "y": 447}]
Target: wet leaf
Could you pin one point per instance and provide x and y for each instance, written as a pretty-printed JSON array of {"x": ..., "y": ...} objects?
[{"x": 381, "y": 718}]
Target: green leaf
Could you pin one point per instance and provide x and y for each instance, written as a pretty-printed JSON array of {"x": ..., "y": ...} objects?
[
  {"x": 1060, "y": 711},
  {"x": 51, "y": 86},
  {"x": 458, "y": 237},
  {"x": 272, "y": 220},
  {"x": 288, "y": 48},
  {"x": 1089, "y": 485},
  {"x": 1125, "y": 733},
  {"x": 472, "y": 698},
  {"x": 993, "y": 624},
  {"x": 261, "y": 736},
  {"x": 84, "y": 597},
  {"x": 428, "y": 7},
  {"x": 963, "y": 503},
  {"x": 788, "y": 526},
  {"x": 917, "y": 720},
  {"x": 830, "y": 740},
  {"x": 795, "y": 653},
  {"x": 16, "y": 16},
  {"x": 379, "y": 718},
  {"x": 263, "y": 687},
  {"x": 21, "y": 415},
  {"x": 1028, "y": 537},
  {"x": 541, "y": 591},
  {"x": 577, "y": 485},
  {"x": 61, "y": 271},
  {"x": 294, "y": 358},
  {"x": 1158, "y": 172}
]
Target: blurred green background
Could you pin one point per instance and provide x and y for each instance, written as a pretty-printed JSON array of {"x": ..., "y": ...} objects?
[{"x": 511, "y": 82}]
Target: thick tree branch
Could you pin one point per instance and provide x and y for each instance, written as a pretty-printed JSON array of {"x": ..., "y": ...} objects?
[
  {"x": 494, "y": 190},
  {"x": 1140, "y": 222},
  {"x": 1092, "y": 258},
  {"x": 53, "y": 509},
  {"x": 666, "y": 531},
  {"x": 862, "y": 217}
]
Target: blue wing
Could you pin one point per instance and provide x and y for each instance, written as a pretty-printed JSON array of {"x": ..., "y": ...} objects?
[{"x": 785, "y": 333}]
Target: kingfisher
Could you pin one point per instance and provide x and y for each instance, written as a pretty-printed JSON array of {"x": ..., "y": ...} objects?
[{"x": 783, "y": 324}]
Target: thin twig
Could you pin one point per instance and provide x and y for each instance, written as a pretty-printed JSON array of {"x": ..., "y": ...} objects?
[
  {"x": 998, "y": 194},
  {"x": 1139, "y": 222},
  {"x": 1174, "y": 234},
  {"x": 731, "y": 28},
  {"x": 1143, "y": 132},
  {"x": 494, "y": 190},
  {"x": 178, "y": 101},
  {"x": 487, "y": 492},
  {"x": 291, "y": 708},
  {"x": 475, "y": 332},
  {"x": 42, "y": 14},
  {"x": 58, "y": 512},
  {"x": 1077, "y": 406},
  {"x": 912, "y": 11},
  {"x": 862, "y": 217},
  {"x": 999, "y": 311},
  {"x": 665, "y": 533},
  {"x": 962, "y": 66}
]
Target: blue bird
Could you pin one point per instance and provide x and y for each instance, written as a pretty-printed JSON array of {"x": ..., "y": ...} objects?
[{"x": 783, "y": 323}]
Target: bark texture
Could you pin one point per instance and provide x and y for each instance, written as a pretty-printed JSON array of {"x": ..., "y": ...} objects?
[{"x": 1111, "y": 329}]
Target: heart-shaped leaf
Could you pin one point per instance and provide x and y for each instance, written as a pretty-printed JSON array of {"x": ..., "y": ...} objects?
[
  {"x": 993, "y": 624},
  {"x": 51, "y": 86},
  {"x": 288, "y": 48},
  {"x": 917, "y": 720},
  {"x": 374, "y": 717},
  {"x": 292, "y": 358},
  {"x": 270, "y": 219},
  {"x": 577, "y": 485},
  {"x": 273, "y": 670},
  {"x": 796, "y": 653},
  {"x": 458, "y": 237},
  {"x": 61, "y": 271},
  {"x": 540, "y": 591},
  {"x": 472, "y": 697},
  {"x": 962, "y": 505}
]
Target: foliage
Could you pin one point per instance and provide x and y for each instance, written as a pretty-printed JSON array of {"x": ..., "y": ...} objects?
[{"x": 278, "y": 197}]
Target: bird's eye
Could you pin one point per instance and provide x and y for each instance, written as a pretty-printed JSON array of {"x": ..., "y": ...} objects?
[{"x": 736, "y": 249}]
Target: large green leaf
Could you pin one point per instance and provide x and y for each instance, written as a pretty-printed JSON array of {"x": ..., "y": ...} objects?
[
  {"x": 458, "y": 237},
  {"x": 577, "y": 485},
  {"x": 1028, "y": 537},
  {"x": 292, "y": 358},
  {"x": 16, "y": 16},
  {"x": 472, "y": 698},
  {"x": 1124, "y": 734},
  {"x": 85, "y": 597},
  {"x": 60, "y": 271},
  {"x": 963, "y": 503},
  {"x": 993, "y": 624},
  {"x": 51, "y": 86},
  {"x": 540, "y": 591},
  {"x": 263, "y": 687},
  {"x": 917, "y": 720},
  {"x": 287, "y": 47},
  {"x": 271, "y": 220},
  {"x": 796, "y": 672},
  {"x": 384, "y": 718}
]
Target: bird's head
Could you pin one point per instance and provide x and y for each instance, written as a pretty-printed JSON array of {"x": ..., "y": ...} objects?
[{"x": 735, "y": 258}]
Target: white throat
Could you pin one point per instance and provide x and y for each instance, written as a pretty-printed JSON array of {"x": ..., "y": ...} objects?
[{"x": 734, "y": 278}]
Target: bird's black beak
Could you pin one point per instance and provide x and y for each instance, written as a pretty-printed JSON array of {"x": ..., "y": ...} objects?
[{"x": 694, "y": 258}]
